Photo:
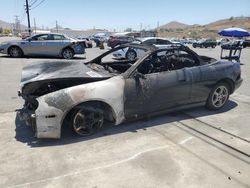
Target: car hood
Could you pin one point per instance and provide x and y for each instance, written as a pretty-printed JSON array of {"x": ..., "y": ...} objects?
[{"x": 58, "y": 70}]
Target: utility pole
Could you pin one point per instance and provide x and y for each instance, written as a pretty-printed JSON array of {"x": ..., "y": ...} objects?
[
  {"x": 16, "y": 27},
  {"x": 35, "y": 25},
  {"x": 28, "y": 16},
  {"x": 56, "y": 27}
]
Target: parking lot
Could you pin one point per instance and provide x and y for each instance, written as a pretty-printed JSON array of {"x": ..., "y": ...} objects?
[{"x": 191, "y": 148}]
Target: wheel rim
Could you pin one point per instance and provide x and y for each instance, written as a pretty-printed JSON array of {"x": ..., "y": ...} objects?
[
  {"x": 220, "y": 96},
  {"x": 67, "y": 54},
  {"x": 86, "y": 122},
  {"x": 14, "y": 52},
  {"x": 131, "y": 55}
]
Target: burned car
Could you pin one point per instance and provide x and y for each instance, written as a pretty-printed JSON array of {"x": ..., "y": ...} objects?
[
  {"x": 86, "y": 95},
  {"x": 51, "y": 44}
]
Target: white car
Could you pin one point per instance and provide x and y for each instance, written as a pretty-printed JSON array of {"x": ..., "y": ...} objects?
[{"x": 131, "y": 54}]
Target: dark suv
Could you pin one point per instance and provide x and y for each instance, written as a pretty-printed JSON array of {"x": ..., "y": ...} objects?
[
  {"x": 246, "y": 43},
  {"x": 118, "y": 40},
  {"x": 205, "y": 43}
]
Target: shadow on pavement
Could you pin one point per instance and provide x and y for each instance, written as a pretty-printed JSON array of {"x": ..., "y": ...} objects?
[{"x": 24, "y": 133}]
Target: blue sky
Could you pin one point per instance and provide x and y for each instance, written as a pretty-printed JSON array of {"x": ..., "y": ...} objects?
[{"x": 121, "y": 14}]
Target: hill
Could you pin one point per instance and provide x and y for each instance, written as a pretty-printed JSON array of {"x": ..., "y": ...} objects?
[
  {"x": 174, "y": 25},
  {"x": 210, "y": 30},
  {"x": 7, "y": 25},
  {"x": 243, "y": 22}
]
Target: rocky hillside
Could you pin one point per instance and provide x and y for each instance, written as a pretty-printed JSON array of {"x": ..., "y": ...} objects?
[{"x": 210, "y": 30}]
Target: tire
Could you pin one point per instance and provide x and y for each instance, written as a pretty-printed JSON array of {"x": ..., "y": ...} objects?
[
  {"x": 194, "y": 46},
  {"x": 87, "y": 121},
  {"x": 68, "y": 53},
  {"x": 213, "y": 46},
  {"x": 15, "y": 52},
  {"x": 131, "y": 55},
  {"x": 218, "y": 96}
]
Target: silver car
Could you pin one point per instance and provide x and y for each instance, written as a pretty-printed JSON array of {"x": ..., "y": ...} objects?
[{"x": 44, "y": 44}]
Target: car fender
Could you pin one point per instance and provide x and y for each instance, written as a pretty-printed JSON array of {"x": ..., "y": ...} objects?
[{"x": 54, "y": 107}]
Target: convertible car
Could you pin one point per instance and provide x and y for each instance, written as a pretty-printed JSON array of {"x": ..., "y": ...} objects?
[{"x": 84, "y": 96}]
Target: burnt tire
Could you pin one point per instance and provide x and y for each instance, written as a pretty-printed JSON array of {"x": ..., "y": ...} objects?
[
  {"x": 87, "y": 121},
  {"x": 131, "y": 55},
  {"x": 218, "y": 96},
  {"x": 67, "y": 53},
  {"x": 15, "y": 52}
]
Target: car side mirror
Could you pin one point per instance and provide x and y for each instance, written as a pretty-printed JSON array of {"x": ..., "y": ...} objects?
[{"x": 138, "y": 75}]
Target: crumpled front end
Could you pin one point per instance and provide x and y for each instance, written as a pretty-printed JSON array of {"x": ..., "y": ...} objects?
[
  {"x": 53, "y": 107},
  {"x": 29, "y": 117},
  {"x": 79, "y": 48}
]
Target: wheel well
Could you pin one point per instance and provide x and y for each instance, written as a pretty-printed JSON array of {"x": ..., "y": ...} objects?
[
  {"x": 109, "y": 114},
  {"x": 229, "y": 82},
  {"x": 68, "y": 48},
  {"x": 14, "y": 46}
]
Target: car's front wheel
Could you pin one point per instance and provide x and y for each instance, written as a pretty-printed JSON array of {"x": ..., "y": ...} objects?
[
  {"x": 86, "y": 122},
  {"x": 15, "y": 51},
  {"x": 67, "y": 53},
  {"x": 218, "y": 96}
]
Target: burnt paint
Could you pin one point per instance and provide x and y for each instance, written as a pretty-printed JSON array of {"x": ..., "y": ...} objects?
[
  {"x": 156, "y": 92},
  {"x": 59, "y": 100}
]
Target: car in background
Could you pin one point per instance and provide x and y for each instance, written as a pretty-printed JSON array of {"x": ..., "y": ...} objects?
[
  {"x": 233, "y": 44},
  {"x": 25, "y": 36},
  {"x": 114, "y": 41},
  {"x": 87, "y": 41},
  {"x": 222, "y": 41},
  {"x": 246, "y": 43},
  {"x": 205, "y": 43},
  {"x": 131, "y": 54},
  {"x": 44, "y": 45}
]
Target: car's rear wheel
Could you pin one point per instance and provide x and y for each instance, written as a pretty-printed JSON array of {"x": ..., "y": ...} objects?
[
  {"x": 131, "y": 55},
  {"x": 68, "y": 53},
  {"x": 15, "y": 51},
  {"x": 86, "y": 122},
  {"x": 218, "y": 96}
]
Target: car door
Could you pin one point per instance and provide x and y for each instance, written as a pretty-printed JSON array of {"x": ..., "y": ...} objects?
[
  {"x": 37, "y": 45},
  {"x": 54, "y": 44},
  {"x": 151, "y": 92}
]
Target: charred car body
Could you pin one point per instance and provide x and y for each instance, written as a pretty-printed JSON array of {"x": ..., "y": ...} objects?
[
  {"x": 44, "y": 44},
  {"x": 88, "y": 94}
]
